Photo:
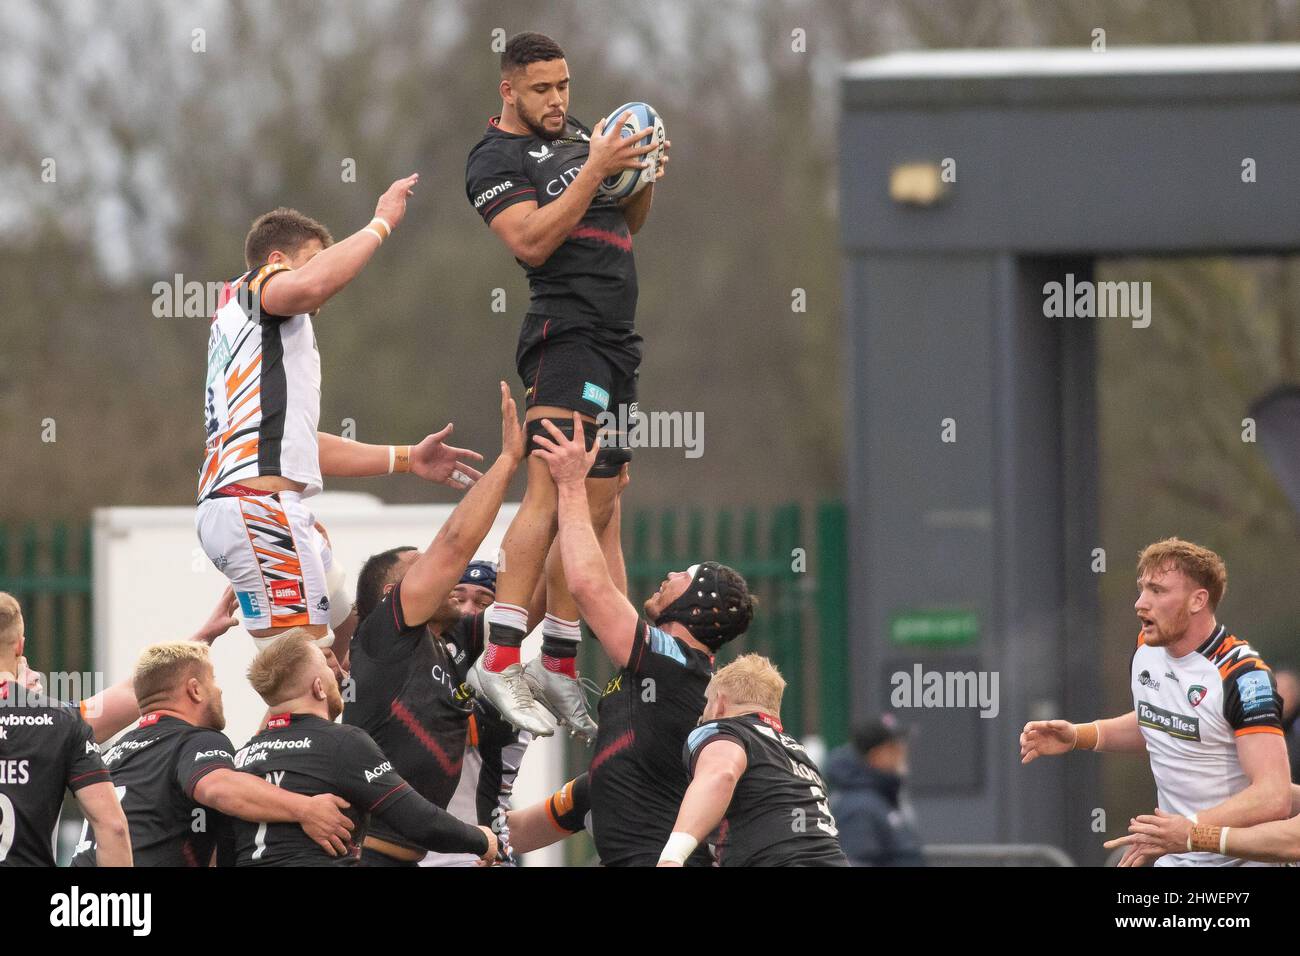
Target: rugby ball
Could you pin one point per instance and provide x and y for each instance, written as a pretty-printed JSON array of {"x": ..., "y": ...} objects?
[{"x": 643, "y": 122}]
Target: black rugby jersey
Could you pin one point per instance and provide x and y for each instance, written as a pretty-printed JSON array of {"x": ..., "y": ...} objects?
[
  {"x": 589, "y": 281},
  {"x": 309, "y": 755},
  {"x": 410, "y": 698},
  {"x": 636, "y": 773},
  {"x": 45, "y": 747},
  {"x": 779, "y": 813},
  {"x": 155, "y": 768}
]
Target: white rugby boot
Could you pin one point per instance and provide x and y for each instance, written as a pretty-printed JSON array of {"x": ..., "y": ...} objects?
[
  {"x": 564, "y": 697},
  {"x": 509, "y": 693}
]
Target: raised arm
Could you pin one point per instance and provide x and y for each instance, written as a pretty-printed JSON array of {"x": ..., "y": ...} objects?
[
  {"x": 533, "y": 232},
  {"x": 307, "y": 289},
  {"x": 603, "y": 606},
  {"x": 113, "y": 708},
  {"x": 436, "y": 571},
  {"x": 611, "y": 539}
]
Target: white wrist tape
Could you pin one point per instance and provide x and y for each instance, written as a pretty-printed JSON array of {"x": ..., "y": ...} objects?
[
  {"x": 392, "y": 458},
  {"x": 678, "y": 848},
  {"x": 1223, "y": 841},
  {"x": 375, "y": 233},
  {"x": 385, "y": 222}
]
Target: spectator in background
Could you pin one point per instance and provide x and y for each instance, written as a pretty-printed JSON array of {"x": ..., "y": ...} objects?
[
  {"x": 865, "y": 779},
  {"x": 1288, "y": 688}
]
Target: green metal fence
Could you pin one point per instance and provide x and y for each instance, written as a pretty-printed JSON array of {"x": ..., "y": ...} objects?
[
  {"x": 795, "y": 563},
  {"x": 794, "y": 559},
  {"x": 48, "y": 569}
]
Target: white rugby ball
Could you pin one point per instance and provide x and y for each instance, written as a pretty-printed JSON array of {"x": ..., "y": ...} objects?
[{"x": 643, "y": 122}]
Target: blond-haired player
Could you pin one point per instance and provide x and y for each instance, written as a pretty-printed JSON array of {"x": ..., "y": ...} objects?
[
  {"x": 177, "y": 765},
  {"x": 1205, "y": 707},
  {"x": 304, "y": 751},
  {"x": 753, "y": 786}
]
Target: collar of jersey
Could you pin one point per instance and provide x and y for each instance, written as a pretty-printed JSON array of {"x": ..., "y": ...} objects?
[{"x": 1216, "y": 635}]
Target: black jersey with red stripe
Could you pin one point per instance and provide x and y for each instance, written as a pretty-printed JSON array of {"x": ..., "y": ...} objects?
[
  {"x": 45, "y": 748},
  {"x": 779, "y": 813},
  {"x": 306, "y": 754},
  {"x": 155, "y": 768},
  {"x": 636, "y": 775},
  {"x": 410, "y": 697},
  {"x": 589, "y": 281}
]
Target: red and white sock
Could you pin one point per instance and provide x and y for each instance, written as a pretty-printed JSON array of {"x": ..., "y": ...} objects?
[
  {"x": 560, "y": 645},
  {"x": 506, "y": 625}
]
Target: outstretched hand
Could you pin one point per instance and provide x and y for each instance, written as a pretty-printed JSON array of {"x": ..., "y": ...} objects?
[
  {"x": 567, "y": 458},
  {"x": 1046, "y": 738},
  {"x": 512, "y": 432},
  {"x": 392, "y": 204},
  {"x": 220, "y": 620},
  {"x": 433, "y": 460}
]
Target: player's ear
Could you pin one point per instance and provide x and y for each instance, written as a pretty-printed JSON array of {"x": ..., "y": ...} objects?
[
  {"x": 318, "y": 689},
  {"x": 507, "y": 93}
]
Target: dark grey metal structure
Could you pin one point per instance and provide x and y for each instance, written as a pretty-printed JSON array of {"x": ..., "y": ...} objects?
[{"x": 976, "y": 554}]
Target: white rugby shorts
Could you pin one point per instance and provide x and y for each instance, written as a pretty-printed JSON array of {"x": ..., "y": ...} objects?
[{"x": 269, "y": 548}]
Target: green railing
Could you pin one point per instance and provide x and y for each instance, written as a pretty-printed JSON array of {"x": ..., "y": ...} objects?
[
  {"x": 794, "y": 560},
  {"x": 795, "y": 563},
  {"x": 48, "y": 569}
]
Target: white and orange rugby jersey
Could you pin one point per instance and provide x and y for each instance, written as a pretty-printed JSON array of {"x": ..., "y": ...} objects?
[
  {"x": 262, "y": 396},
  {"x": 1192, "y": 710}
]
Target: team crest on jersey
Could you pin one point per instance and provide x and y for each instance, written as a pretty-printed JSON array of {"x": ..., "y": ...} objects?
[{"x": 1195, "y": 694}]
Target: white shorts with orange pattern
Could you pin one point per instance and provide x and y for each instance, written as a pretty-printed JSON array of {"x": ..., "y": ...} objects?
[{"x": 270, "y": 549}]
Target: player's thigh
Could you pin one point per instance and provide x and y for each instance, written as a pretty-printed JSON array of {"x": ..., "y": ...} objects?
[
  {"x": 615, "y": 439},
  {"x": 568, "y": 373},
  {"x": 269, "y": 548}
]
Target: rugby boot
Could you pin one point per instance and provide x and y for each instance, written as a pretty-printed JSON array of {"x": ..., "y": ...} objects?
[{"x": 563, "y": 696}]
